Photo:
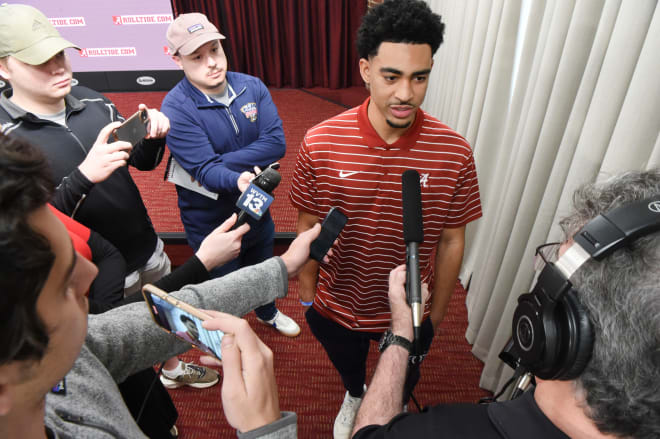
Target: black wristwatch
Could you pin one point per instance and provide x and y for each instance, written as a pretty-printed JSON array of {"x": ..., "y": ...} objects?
[{"x": 389, "y": 338}]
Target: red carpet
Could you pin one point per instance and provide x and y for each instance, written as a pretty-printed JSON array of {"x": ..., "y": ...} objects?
[{"x": 309, "y": 385}]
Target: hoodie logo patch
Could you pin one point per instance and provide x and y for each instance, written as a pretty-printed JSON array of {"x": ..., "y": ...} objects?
[{"x": 249, "y": 110}]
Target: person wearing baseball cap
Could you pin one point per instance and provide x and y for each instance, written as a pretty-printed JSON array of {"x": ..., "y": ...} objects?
[
  {"x": 71, "y": 125},
  {"x": 36, "y": 42},
  {"x": 223, "y": 125}
]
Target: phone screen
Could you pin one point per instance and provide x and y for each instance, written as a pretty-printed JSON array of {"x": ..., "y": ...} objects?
[{"x": 186, "y": 326}]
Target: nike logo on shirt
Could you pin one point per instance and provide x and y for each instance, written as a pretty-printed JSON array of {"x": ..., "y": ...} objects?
[{"x": 344, "y": 174}]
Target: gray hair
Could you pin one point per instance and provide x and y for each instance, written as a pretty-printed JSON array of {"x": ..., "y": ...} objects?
[{"x": 621, "y": 294}]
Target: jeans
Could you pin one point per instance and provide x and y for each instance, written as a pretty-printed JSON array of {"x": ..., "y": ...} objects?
[{"x": 348, "y": 351}]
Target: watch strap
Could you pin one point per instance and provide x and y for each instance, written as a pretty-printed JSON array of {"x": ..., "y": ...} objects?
[{"x": 389, "y": 338}]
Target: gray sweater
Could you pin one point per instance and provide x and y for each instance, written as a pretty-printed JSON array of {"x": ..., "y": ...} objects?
[{"x": 125, "y": 340}]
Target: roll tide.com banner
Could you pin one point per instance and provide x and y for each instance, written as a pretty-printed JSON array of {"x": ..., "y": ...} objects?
[{"x": 116, "y": 35}]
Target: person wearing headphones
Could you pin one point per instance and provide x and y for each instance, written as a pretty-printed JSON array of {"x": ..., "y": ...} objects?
[{"x": 594, "y": 347}]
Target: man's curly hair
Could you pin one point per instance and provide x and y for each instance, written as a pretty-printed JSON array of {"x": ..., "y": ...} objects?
[
  {"x": 399, "y": 21},
  {"x": 26, "y": 256}
]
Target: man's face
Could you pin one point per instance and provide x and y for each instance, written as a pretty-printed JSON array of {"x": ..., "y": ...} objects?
[
  {"x": 62, "y": 306},
  {"x": 45, "y": 83},
  {"x": 206, "y": 67},
  {"x": 397, "y": 77},
  {"x": 191, "y": 328}
]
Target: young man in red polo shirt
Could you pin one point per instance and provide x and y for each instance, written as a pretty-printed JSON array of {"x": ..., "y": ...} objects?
[{"x": 354, "y": 161}]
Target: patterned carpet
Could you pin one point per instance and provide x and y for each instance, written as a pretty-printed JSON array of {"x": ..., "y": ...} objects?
[{"x": 309, "y": 385}]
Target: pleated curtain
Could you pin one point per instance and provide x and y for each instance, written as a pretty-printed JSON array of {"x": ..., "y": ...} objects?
[{"x": 550, "y": 94}]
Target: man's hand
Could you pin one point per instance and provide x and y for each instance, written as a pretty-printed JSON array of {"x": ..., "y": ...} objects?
[
  {"x": 298, "y": 252},
  {"x": 159, "y": 124},
  {"x": 401, "y": 313},
  {"x": 104, "y": 158},
  {"x": 244, "y": 180},
  {"x": 222, "y": 245},
  {"x": 249, "y": 390}
]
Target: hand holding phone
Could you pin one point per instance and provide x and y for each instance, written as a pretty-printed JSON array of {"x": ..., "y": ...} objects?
[
  {"x": 182, "y": 320},
  {"x": 133, "y": 129},
  {"x": 331, "y": 227}
]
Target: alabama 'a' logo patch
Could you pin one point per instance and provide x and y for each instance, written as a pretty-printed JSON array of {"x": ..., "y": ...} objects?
[{"x": 250, "y": 111}]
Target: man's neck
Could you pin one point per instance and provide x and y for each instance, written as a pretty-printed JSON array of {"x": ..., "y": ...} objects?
[
  {"x": 386, "y": 132},
  {"x": 38, "y": 107},
  {"x": 558, "y": 400},
  {"x": 25, "y": 422}
]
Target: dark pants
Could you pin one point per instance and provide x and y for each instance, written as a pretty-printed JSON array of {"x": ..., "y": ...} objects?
[
  {"x": 348, "y": 351},
  {"x": 253, "y": 251}
]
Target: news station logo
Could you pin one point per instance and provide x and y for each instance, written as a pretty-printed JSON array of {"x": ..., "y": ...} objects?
[
  {"x": 142, "y": 19},
  {"x": 90, "y": 52},
  {"x": 67, "y": 21}
]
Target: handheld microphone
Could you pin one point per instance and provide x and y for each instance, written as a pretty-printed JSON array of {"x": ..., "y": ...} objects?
[
  {"x": 413, "y": 235},
  {"x": 267, "y": 181}
]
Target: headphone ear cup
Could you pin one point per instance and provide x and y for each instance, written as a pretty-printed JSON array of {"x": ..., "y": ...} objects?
[{"x": 577, "y": 337}]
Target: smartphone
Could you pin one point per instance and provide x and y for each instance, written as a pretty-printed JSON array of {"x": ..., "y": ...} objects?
[
  {"x": 331, "y": 227},
  {"x": 133, "y": 129},
  {"x": 182, "y": 320}
]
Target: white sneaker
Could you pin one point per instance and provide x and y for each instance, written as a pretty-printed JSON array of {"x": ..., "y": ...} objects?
[
  {"x": 188, "y": 374},
  {"x": 346, "y": 417},
  {"x": 283, "y": 323}
]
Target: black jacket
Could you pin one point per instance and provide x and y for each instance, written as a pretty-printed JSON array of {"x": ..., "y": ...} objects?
[
  {"x": 517, "y": 419},
  {"x": 113, "y": 207}
]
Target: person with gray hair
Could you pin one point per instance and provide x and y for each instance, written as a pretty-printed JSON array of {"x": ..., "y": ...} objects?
[{"x": 609, "y": 389}]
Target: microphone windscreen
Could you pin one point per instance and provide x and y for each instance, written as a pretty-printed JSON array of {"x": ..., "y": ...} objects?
[
  {"x": 411, "y": 197},
  {"x": 268, "y": 180}
]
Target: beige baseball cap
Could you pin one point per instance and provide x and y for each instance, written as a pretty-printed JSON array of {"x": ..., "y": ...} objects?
[
  {"x": 27, "y": 35},
  {"x": 189, "y": 31}
]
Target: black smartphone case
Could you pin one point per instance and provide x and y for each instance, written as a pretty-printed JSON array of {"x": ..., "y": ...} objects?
[
  {"x": 133, "y": 129},
  {"x": 331, "y": 227}
]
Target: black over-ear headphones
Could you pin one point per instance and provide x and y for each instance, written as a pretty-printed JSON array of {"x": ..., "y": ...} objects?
[{"x": 552, "y": 334}]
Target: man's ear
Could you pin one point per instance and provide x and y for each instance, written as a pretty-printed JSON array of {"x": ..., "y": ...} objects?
[
  {"x": 4, "y": 72},
  {"x": 177, "y": 61},
  {"x": 365, "y": 70}
]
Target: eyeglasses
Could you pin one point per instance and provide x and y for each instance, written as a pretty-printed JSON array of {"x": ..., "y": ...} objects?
[{"x": 546, "y": 253}]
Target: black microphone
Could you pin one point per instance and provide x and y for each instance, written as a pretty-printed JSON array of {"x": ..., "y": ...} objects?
[
  {"x": 267, "y": 181},
  {"x": 413, "y": 235}
]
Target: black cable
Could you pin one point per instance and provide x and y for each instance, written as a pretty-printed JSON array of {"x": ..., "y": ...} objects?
[
  {"x": 419, "y": 408},
  {"x": 146, "y": 397},
  {"x": 489, "y": 399}
]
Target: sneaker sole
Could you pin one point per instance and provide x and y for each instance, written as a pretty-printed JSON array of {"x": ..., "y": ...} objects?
[
  {"x": 176, "y": 385},
  {"x": 278, "y": 330}
]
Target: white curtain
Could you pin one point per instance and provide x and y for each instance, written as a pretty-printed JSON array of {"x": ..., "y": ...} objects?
[{"x": 551, "y": 94}]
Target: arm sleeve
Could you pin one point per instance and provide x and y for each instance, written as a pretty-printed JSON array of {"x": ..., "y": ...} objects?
[
  {"x": 191, "y": 272},
  {"x": 303, "y": 186},
  {"x": 270, "y": 146},
  {"x": 466, "y": 203},
  {"x": 147, "y": 154},
  {"x": 284, "y": 428},
  {"x": 126, "y": 340},
  {"x": 107, "y": 290},
  {"x": 192, "y": 149},
  {"x": 71, "y": 193}
]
